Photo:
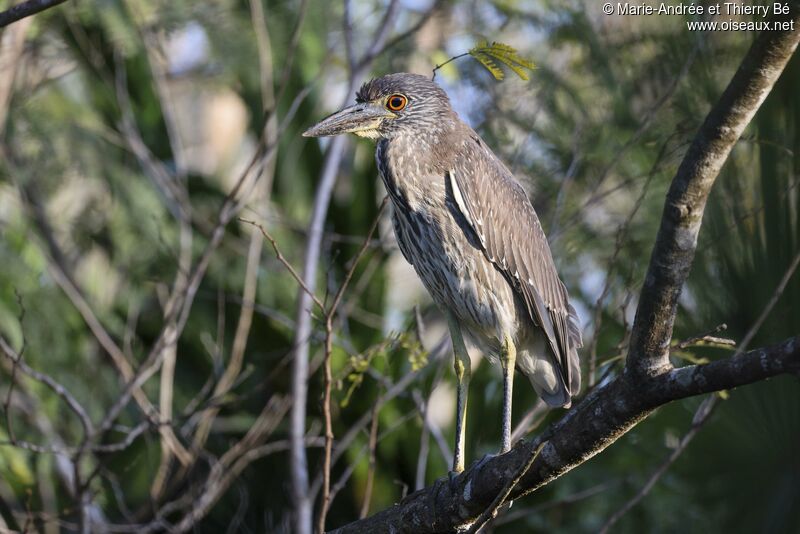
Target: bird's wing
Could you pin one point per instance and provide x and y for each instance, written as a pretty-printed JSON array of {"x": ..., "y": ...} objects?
[{"x": 499, "y": 212}]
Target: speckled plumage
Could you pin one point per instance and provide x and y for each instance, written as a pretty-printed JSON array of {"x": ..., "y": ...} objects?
[{"x": 469, "y": 230}]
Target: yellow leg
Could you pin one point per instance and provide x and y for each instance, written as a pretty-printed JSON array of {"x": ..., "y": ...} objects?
[
  {"x": 463, "y": 371},
  {"x": 508, "y": 358}
]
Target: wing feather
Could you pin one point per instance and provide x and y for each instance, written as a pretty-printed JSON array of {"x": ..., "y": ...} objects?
[{"x": 500, "y": 214}]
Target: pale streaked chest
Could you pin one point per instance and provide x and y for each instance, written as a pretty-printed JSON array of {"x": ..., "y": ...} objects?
[{"x": 412, "y": 177}]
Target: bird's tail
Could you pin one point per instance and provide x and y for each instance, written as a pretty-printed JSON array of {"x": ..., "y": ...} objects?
[
  {"x": 538, "y": 363},
  {"x": 535, "y": 360},
  {"x": 575, "y": 342}
]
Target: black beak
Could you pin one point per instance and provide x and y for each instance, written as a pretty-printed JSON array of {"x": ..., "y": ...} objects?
[{"x": 358, "y": 118}]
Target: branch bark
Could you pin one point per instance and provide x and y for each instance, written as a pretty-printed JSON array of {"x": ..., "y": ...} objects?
[
  {"x": 26, "y": 9},
  {"x": 676, "y": 241},
  {"x": 649, "y": 381}
]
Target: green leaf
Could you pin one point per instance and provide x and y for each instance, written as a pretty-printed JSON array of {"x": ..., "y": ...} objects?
[
  {"x": 490, "y": 65},
  {"x": 486, "y": 53}
]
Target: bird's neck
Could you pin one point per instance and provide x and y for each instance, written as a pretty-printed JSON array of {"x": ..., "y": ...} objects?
[
  {"x": 427, "y": 150},
  {"x": 413, "y": 166}
]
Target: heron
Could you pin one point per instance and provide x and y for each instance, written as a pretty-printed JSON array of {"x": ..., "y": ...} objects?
[{"x": 470, "y": 232}]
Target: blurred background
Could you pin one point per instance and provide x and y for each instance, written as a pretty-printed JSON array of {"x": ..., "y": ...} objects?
[{"x": 136, "y": 135}]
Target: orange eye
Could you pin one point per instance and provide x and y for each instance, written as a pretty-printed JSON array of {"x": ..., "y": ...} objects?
[{"x": 396, "y": 103}]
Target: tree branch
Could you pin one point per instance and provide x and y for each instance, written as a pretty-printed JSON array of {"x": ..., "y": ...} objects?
[
  {"x": 330, "y": 170},
  {"x": 707, "y": 407},
  {"x": 599, "y": 420},
  {"x": 649, "y": 380},
  {"x": 26, "y": 9},
  {"x": 676, "y": 242}
]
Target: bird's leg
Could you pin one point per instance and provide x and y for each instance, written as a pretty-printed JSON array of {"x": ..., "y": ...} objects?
[
  {"x": 508, "y": 358},
  {"x": 463, "y": 371}
]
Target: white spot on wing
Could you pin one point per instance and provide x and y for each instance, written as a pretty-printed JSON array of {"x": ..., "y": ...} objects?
[{"x": 462, "y": 206}]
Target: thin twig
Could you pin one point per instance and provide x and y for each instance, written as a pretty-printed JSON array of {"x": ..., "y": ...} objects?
[
  {"x": 373, "y": 444},
  {"x": 68, "y": 398},
  {"x": 491, "y": 511},
  {"x": 439, "y": 66},
  {"x": 622, "y": 232},
  {"x": 281, "y": 258},
  {"x": 235, "y": 459},
  {"x": 705, "y": 338},
  {"x": 354, "y": 262},
  {"x": 328, "y": 377},
  {"x": 26, "y": 9}
]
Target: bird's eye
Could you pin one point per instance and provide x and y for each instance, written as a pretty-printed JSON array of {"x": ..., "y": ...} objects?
[{"x": 396, "y": 103}]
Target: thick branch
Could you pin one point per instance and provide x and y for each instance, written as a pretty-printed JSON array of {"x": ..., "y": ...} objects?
[
  {"x": 739, "y": 370},
  {"x": 599, "y": 420},
  {"x": 676, "y": 242}
]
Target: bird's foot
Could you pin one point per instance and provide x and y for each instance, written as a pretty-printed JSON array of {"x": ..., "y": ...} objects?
[
  {"x": 452, "y": 478},
  {"x": 485, "y": 458}
]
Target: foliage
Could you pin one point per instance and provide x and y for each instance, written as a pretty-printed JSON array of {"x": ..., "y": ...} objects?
[{"x": 486, "y": 53}]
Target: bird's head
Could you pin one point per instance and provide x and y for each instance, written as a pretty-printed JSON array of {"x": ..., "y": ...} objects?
[{"x": 387, "y": 106}]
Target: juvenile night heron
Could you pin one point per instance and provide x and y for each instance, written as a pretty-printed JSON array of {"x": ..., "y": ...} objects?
[{"x": 467, "y": 226}]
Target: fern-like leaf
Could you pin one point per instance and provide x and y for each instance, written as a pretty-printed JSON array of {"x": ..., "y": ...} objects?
[
  {"x": 489, "y": 64},
  {"x": 485, "y": 53}
]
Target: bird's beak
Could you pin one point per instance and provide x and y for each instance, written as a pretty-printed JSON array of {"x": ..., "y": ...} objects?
[{"x": 361, "y": 119}]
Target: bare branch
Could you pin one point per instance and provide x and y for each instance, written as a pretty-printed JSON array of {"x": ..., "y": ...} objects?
[
  {"x": 492, "y": 509},
  {"x": 26, "y": 9},
  {"x": 235, "y": 459},
  {"x": 600, "y": 419},
  {"x": 676, "y": 242},
  {"x": 330, "y": 168},
  {"x": 701, "y": 417},
  {"x": 285, "y": 262},
  {"x": 327, "y": 376},
  {"x": 706, "y": 337},
  {"x": 50, "y": 382},
  {"x": 707, "y": 407}
]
